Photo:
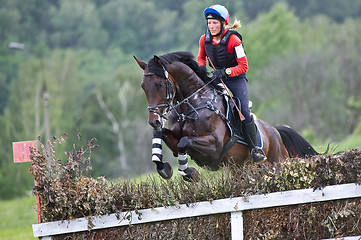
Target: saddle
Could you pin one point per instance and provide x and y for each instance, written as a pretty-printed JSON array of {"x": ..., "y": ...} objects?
[{"x": 234, "y": 125}]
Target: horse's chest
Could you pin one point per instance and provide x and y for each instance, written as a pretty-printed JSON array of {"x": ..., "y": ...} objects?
[{"x": 194, "y": 124}]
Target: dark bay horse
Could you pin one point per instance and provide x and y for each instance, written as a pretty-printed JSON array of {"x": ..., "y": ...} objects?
[{"x": 196, "y": 124}]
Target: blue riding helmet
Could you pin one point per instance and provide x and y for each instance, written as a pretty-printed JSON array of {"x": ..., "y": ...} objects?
[{"x": 217, "y": 10}]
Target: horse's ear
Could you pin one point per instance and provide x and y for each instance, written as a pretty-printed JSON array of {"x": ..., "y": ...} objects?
[
  {"x": 141, "y": 64},
  {"x": 157, "y": 60}
]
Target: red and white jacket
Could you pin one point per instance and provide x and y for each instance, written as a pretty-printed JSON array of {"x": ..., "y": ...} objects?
[{"x": 234, "y": 47}]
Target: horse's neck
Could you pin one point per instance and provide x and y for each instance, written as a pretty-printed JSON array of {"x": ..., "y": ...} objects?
[{"x": 187, "y": 83}]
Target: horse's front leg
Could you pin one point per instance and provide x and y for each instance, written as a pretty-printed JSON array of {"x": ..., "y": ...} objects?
[
  {"x": 203, "y": 146},
  {"x": 163, "y": 168}
]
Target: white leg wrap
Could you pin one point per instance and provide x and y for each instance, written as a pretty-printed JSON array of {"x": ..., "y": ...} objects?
[
  {"x": 156, "y": 158},
  {"x": 157, "y": 141},
  {"x": 157, "y": 152},
  {"x": 182, "y": 163},
  {"x": 182, "y": 173}
]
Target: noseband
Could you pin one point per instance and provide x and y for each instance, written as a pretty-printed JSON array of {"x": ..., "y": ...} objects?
[{"x": 170, "y": 94}]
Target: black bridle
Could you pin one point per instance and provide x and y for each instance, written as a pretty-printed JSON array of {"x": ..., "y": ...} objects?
[{"x": 170, "y": 94}]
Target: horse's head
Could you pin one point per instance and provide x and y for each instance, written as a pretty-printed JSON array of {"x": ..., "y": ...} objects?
[{"x": 158, "y": 89}]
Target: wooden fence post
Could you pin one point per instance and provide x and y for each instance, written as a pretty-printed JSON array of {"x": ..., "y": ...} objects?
[{"x": 237, "y": 225}]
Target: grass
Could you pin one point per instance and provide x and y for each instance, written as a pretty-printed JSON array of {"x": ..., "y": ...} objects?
[
  {"x": 17, "y": 217},
  {"x": 154, "y": 174},
  {"x": 350, "y": 142}
]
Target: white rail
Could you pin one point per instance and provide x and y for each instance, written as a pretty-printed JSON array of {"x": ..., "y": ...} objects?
[{"x": 235, "y": 206}]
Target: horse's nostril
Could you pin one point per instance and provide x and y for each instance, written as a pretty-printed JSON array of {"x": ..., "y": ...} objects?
[
  {"x": 155, "y": 123},
  {"x": 158, "y": 123}
]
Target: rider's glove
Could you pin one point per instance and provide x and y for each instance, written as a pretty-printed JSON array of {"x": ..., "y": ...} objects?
[{"x": 220, "y": 73}]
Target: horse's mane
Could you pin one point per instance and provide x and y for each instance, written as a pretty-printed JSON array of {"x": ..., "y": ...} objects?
[{"x": 185, "y": 57}]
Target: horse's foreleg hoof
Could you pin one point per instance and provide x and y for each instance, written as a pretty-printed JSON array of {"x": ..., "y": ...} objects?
[
  {"x": 190, "y": 174},
  {"x": 165, "y": 171}
]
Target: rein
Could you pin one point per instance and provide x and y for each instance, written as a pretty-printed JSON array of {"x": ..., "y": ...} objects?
[
  {"x": 170, "y": 94},
  {"x": 190, "y": 96}
]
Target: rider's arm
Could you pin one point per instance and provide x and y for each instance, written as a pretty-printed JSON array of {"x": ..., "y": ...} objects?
[
  {"x": 235, "y": 45},
  {"x": 201, "y": 59}
]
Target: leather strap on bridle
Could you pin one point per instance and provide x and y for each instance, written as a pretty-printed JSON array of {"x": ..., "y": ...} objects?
[{"x": 170, "y": 94}]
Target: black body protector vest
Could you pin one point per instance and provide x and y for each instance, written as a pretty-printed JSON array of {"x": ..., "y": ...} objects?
[{"x": 218, "y": 54}]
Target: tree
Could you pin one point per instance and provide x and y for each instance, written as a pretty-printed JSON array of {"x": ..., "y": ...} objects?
[
  {"x": 139, "y": 27},
  {"x": 122, "y": 114},
  {"x": 11, "y": 174},
  {"x": 348, "y": 60},
  {"x": 8, "y": 19},
  {"x": 80, "y": 53},
  {"x": 318, "y": 84},
  {"x": 76, "y": 24},
  {"x": 336, "y": 10},
  {"x": 271, "y": 34}
]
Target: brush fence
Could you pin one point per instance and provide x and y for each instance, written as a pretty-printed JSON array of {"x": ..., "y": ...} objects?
[{"x": 234, "y": 206}]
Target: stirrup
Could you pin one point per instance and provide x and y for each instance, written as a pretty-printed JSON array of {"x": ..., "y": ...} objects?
[{"x": 258, "y": 155}]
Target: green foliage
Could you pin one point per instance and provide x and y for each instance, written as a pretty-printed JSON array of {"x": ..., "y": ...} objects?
[
  {"x": 66, "y": 192},
  {"x": 138, "y": 27},
  {"x": 311, "y": 77},
  {"x": 14, "y": 179},
  {"x": 81, "y": 51},
  {"x": 317, "y": 172},
  {"x": 8, "y": 19},
  {"x": 76, "y": 24},
  {"x": 336, "y": 10},
  {"x": 280, "y": 30}
]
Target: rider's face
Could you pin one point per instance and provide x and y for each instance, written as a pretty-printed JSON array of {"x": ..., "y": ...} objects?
[{"x": 214, "y": 26}]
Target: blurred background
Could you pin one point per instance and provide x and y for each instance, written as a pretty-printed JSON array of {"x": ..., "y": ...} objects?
[{"x": 67, "y": 67}]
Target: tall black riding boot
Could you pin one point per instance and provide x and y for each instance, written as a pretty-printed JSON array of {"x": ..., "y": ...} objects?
[{"x": 250, "y": 133}]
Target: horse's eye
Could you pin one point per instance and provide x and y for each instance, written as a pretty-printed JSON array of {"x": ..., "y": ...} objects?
[{"x": 160, "y": 83}]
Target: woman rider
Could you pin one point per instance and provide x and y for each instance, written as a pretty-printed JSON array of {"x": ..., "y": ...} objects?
[{"x": 225, "y": 49}]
